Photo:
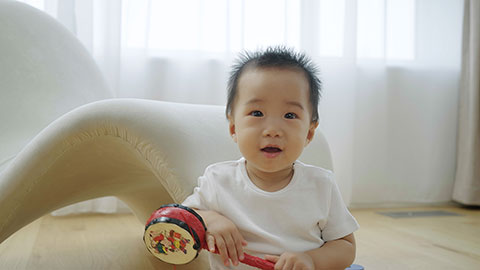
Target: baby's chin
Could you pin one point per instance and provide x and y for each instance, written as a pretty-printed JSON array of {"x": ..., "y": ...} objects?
[{"x": 270, "y": 167}]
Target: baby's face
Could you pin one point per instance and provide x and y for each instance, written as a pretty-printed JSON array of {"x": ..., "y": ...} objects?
[{"x": 271, "y": 117}]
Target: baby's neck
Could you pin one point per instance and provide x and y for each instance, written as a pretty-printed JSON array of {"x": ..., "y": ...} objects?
[{"x": 270, "y": 181}]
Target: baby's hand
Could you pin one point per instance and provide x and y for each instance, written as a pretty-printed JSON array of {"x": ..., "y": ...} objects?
[
  {"x": 292, "y": 261},
  {"x": 223, "y": 233}
]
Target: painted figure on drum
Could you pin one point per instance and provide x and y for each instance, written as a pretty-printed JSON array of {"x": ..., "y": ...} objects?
[{"x": 165, "y": 242}]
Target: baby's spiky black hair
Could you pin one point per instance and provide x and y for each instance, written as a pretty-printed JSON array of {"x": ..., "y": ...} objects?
[{"x": 275, "y": 57}]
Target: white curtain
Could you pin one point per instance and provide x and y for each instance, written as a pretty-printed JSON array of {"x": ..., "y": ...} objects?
[
  {"x": 390, "y": 72},
  {"x": 467, "y": 183}
]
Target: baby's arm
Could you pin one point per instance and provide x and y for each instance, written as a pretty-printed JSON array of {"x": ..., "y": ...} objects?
[
  {"x": 223, "y": 233},
  {"x": 335, "y": 254}
]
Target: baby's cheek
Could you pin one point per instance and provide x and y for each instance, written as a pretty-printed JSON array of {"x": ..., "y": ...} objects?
[{"x": 297, "y": 148}]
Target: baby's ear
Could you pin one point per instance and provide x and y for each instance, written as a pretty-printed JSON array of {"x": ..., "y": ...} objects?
[
  {"x": 311, "y": 132},
  {"x": 231, "y": 128}
]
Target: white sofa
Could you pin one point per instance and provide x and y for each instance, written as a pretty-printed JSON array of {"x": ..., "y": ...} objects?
[{"x": 146, "y": 153}]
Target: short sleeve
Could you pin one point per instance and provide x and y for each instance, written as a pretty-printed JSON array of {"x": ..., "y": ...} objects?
[
  {"x": 340, "y": 221},
  {"x": 203, "y": 195}
]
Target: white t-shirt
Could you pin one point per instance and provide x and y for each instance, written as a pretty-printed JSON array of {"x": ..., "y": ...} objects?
[{"x": 302, "y": 216}]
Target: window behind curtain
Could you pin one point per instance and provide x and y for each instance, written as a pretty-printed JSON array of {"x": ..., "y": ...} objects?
[{"x": 384, "y": 28}]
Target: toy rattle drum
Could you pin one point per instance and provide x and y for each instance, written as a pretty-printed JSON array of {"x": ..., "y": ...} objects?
[{"x": 175, "y": 234}]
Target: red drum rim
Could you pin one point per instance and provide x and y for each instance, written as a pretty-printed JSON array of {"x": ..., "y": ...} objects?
[{"x": 180, "y": 227}]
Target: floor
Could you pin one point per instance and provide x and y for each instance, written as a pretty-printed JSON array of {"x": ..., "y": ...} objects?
[
  {"x": 383, "y": 242},
  {"x": 436, "y": 242}
]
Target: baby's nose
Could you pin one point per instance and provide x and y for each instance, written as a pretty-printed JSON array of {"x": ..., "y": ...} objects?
[{"x": 272, "y": 130}]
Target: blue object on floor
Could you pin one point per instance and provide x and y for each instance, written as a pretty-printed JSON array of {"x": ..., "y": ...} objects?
[{"x": 355, "y": 267}]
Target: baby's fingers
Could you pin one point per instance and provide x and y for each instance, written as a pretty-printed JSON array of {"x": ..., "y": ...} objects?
[
  {"x": 217, "y": 245},
  {"x": 232, "y": 249},
  {"x": 277, "y": 260},
  {"x": 239, "y": 244},
  {"x": 210, "y": 242},
  {"x": 272, "y": 258},
  {"x": 222, "y": 250}
]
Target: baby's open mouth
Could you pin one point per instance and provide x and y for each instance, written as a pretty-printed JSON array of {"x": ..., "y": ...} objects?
[{"x": 270, "y": 149}]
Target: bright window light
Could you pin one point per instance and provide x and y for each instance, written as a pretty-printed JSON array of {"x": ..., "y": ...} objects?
[
  {"x": 174, "y": 24},
  {"x": 386, "y": 29},
  {"x": 235, "y": 25},
  {"x": 331, "y": 20},
  {"x": 264, "y": 22},
  {"x": 135, "y": 23},
  {"x": 370, "y": 28},
  {"x": 213, "y": 18},
  {"x": 292, "y": 27},
  {"x": 40, "y": 4},
  {"x": 400, "y": 41}
]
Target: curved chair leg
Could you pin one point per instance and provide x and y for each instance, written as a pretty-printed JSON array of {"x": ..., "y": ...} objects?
[
  {"x": 97, "y": 167},
  {"x": 101, "y": 149}
]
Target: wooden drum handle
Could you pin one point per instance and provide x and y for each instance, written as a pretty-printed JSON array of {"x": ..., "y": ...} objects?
[{"x": 255, "y": 261}]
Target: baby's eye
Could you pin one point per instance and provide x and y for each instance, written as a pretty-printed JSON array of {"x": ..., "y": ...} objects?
[
  {"x": 290, "y": 115},
  {"x": 256, "y": 113}
]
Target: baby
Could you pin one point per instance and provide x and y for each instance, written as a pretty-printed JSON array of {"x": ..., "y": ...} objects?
[{"x": 268, "y": 203}]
